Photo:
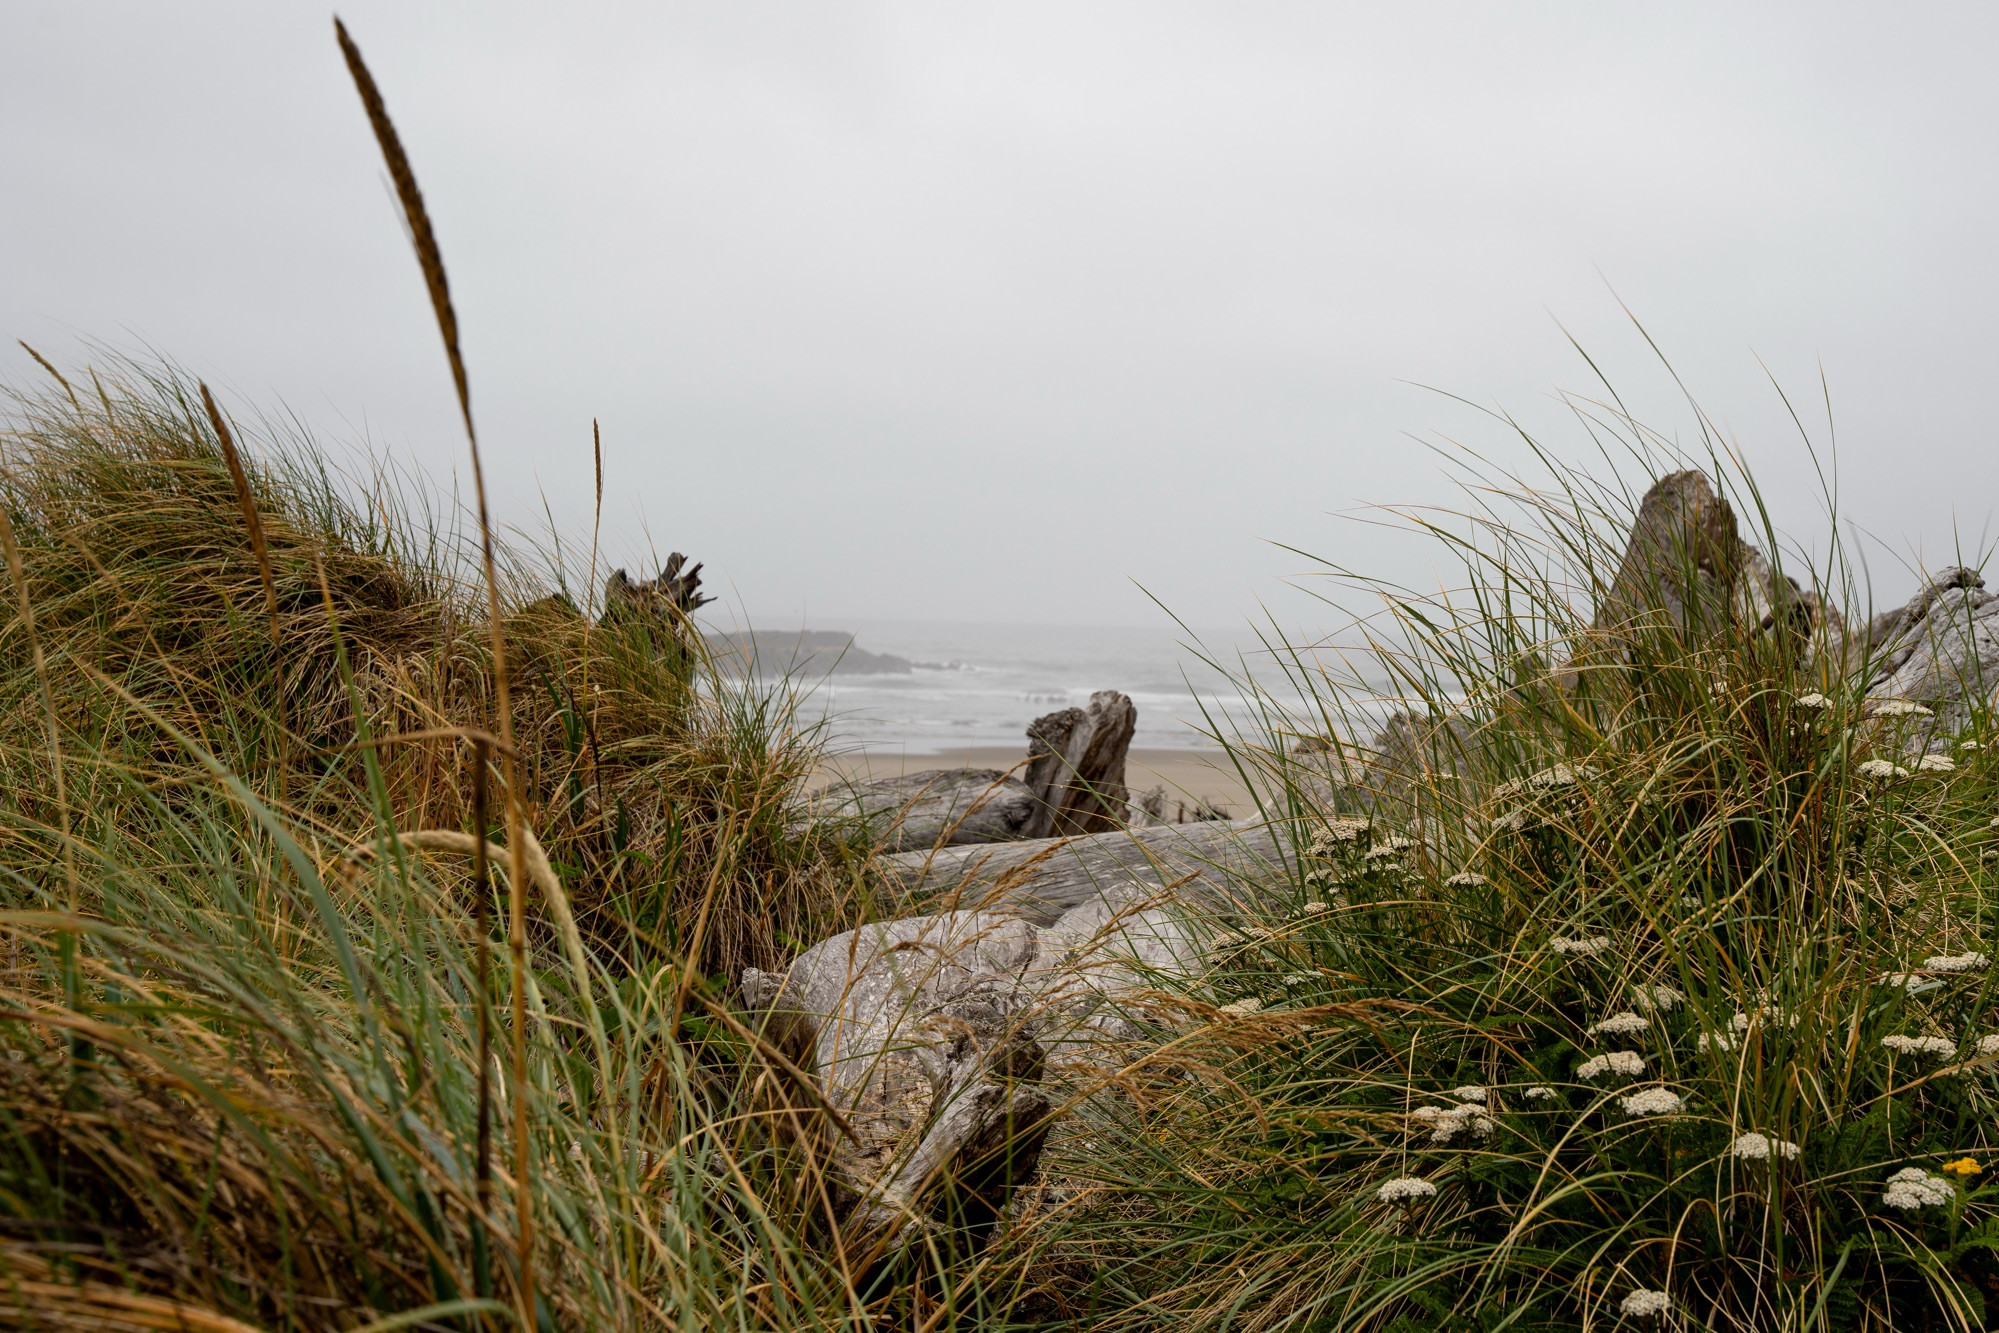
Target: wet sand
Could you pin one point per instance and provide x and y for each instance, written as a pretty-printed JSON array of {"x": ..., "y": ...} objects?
[{"x": 1191, "y": 776}]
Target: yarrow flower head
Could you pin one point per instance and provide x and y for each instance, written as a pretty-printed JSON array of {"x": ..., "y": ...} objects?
[
  {"x": 1513, "y": 821},
  {"x": 1936, "y": 763},
  {"x": 1313, "y": 907},
  {"x": 1880, "y": 770},
  {"x": 1813, "y": 700},
  {"x": 1753, "y": 1147},
  {"x": 1242, "y": 1008},
  {"x": 1404, "y": 1189},
  {"x": 1989, "y": 1044},
  {"x": 1958, "y": 962},
  {"x": 1577, "y": 944},
  {"x": 1899, "y": 708},
  {"x": 1469, "y": 1093},
  {"x": 1719, "y": 1041},
  {"x": 1539, "y": 1094},
  {"x": 1619, "y": 1025},
  {"x": 1643, "y": 1304},
  {"x": 1941, "y": 1047},
  {"x": 1629, "y": 1063},
  {"x": 1466, "y": 879},
  {"x": 1381, "y": 851},
  {"x": 1656, "y": 998},
  {"x": 1447, "y": 1122},
  {"x": 1338, "y": 834},
  {"x": 1561, "y": 775},
  {"x": 1653, "y": 1101},
  {"x": 1900, "y": 980},
  {"x": 1912, "y": 1188}
]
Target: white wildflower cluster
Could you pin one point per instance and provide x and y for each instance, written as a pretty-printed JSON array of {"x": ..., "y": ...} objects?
[
  {"x": 1561, "y": 775},
  {"x": 1653, "y": 1101},
  {"x": 1753, "y": 1147},
  {"x": 1466, "y": 879},
  {"x": 1643, "y": 1304},
  {"x": 1469, "y": 1093},
  {"x": 1658, "y": 998},
  {"x": 1912, "y": 1188},
  {"x": 1628, "y": 1063},
  {"x": 1943, "y": 1048},
  {"x": 1338, "y": 835},
  {"x": 1814, "y": 700},
  {"x": 1956, "y": 962},
  {"x": 1880, "y": 770},
  {"x": 1619, "y": 1025},
  {"x": 1404, "y": 1189},
  {"x": 1900, "y": 980},
  {"x": 1539, "y": 1094},
  {"x": 1387, "y": 848},
  {"x": 1936, "y": 763},
  {"x": 1989, "y": 1044},
  {"x": 1717, "y": 1041},
  {"x": 1447, "y": 1122},
  {"x": 1969, "y": 745},
  {"x": 1577, "y": 944},
  {"x": 1763, "y": 1015},
  {"x": 1242, "y": 1008},
  {"x": 1313, "y": 907},
  {"x": 1899, "y": 708}
]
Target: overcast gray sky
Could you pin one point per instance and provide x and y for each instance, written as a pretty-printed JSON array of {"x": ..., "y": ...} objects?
[{"x": 992, "y": 312}]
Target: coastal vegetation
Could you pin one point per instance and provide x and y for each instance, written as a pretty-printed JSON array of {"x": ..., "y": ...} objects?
[{"x": 379, "y": 912}]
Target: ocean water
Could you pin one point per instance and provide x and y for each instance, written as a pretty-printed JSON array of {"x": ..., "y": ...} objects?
[{"x": 978, "y": 685}]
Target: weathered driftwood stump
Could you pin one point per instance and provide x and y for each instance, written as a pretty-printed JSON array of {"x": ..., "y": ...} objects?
[
  {"x": 1076, "y": 760},
  {"x": 1941, "y": 651},
  {"x": 939, "y": 807},
  {"x": 922, "y": 1036},
  {"x": 934, "y": 1036}
]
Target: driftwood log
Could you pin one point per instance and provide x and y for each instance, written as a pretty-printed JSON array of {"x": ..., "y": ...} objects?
[
  {"x": 1211, "y": 865},
  {"x": 933, "y": 1035},
  {"x": 1941, "y": 650},
  {"x": 1076, "y": 766},
  {"x": 939, "y": 807}
]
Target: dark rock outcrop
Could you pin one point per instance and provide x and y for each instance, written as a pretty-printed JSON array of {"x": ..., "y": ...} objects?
[{"x": 811, "y": 653}]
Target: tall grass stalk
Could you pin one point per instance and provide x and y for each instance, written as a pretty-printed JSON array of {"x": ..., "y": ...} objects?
[{"x": 432, "y": 260}]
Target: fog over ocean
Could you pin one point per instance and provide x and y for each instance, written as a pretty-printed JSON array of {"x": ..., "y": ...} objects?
[{"x": 978, "y": 685}]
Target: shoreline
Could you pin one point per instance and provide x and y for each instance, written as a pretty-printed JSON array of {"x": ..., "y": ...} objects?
[{"x": 1190, "y": 776}]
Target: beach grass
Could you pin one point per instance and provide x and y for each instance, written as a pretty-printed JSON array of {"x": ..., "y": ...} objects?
[
  {"x": 370, "y": 911},
  {"x": 1643, "y": 981}
]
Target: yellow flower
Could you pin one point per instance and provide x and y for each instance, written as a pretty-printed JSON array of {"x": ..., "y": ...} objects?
[{"x": 1964, "y": 1166}]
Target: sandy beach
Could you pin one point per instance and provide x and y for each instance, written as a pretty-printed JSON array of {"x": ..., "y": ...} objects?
[{"x": 1188, "y": 775}]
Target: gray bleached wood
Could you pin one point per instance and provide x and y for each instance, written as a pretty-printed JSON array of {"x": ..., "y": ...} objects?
[
  {"x": 944, "y": 806},
  {"x": 1941, "y": 651},
  {"x": 1209, "y": 864},
  {"x": 932, "y": 1034},
  {"x": 921, "y": 1034},
  {"x": 1076, "y": 766}
]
